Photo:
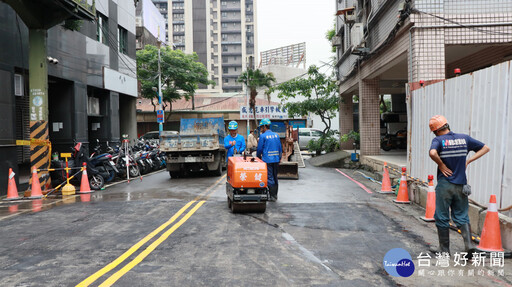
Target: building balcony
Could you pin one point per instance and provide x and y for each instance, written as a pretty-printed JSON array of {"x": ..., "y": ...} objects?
[
  {"x": 231, "y": 43},
  {"x": 224, "y": 54},
  {"x": 226, "y": 65},
  {"x": 230, "y": 21},
  {"x": 231, "y": 87},
  {"x": 231, "y": 76},
  {"x": 231, "y": 32}
]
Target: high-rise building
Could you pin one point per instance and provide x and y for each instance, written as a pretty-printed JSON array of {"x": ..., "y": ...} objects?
[{"x": 221, "y": 32}]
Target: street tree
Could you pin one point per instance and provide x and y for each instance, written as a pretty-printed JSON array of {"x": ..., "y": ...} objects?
[
  {"x": 320, "y": 93},
  {"x": 180, "y": 75},
  {"x": 255, "y": 79}
]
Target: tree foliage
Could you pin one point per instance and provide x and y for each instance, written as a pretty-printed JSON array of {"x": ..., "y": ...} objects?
[
  {"x": 255, "y": 79},
  {"x": 329, "y": 35},
  {"x": 181, "y": 74},
  {"x": 320, "y": 93}
]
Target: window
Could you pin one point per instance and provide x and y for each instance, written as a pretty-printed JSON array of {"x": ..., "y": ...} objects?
[
  {"x": 122, "y": 35},
  {"x": 303, "y": 133},
  {"x": 225, "y": 70},
  {"x": 102, "y": 28},
  {"x": 223, "y": 3},
  {"x": 179, "y": 28},
  {"x": 316, "y": 133},
  {"x": 224, "y": 48},
  {"x": 235, "y": 69},
  {"x": 224, "y": 14},
  {"x": 224, "y": 37},
  {"x": 226, "y": 81},
  {"x": 224, "y": 25},
  {"x": 178, "y": 16},
  {"x": 224, "y": 60}
]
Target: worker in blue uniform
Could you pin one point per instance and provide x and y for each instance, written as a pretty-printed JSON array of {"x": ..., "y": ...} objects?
[
  {"x": 270, "y": 151},
  {"x": 234, "y": 143}
]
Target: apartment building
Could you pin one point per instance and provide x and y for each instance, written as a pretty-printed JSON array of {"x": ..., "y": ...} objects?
[
  {"x": 92, "y": 85},
  {"x": 382, "y": 45},
  {"x": 221, "y": 32}
]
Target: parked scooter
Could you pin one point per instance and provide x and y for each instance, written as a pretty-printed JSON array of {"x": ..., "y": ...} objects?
[
  {"x": 95, "y": 176},
  {"x": 398, "y": 140},
  {"x": 104, "y": 162}
]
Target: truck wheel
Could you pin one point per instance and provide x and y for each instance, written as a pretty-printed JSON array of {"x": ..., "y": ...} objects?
[
  {"x": 174, "y": 174},
  {"x": 218, "y": 171}
]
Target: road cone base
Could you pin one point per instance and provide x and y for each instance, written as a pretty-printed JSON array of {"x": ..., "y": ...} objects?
[
  {"x": 489, "y": 249},
  {"x": 427, "y": 219},
  {"x": 396, "y": 201},
  {"x": 68, "y": 189},
  {"x": 12, "y": 198},
  {"x": 35, "y": 197},
  {"x": 84, "y": 192},
  {"x": 385, "y": 192}
]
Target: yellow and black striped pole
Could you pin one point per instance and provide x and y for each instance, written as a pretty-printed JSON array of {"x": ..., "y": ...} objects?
[{"x": 38, "y": 81}]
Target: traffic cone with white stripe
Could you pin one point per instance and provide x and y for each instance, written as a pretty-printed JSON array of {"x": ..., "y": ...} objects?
[
  {"x": 490, "y": 239},
  {"x": 84, "y": 184},
  {"x": 403, "y": 193},
  {"x": 12, "y": 190},
  {"x": 431, "y": 201},
  {"x": 36, "y": 191},
  {"x": 386, "y": 182}
]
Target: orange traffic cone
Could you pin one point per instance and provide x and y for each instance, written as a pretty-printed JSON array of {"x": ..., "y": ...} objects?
[
  {"x": 490, "y": 239},
  {"x": 431, "y": 200},
  {"x": 84, "y": 185},
  {"x": 386, "y": 182},
  {"x": 403, "y": 194},
  {"x": 36, "y": 186},
  {"x": 12, "y": 190}
]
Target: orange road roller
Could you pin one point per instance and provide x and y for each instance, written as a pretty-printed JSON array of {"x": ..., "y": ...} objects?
[{"x": 246, "y": 185}]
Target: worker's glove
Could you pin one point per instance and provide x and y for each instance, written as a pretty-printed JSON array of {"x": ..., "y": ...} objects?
[{"x": 466, "y": 190}]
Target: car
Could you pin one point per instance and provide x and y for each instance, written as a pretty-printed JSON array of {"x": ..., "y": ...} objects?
[
  {"x": 153, "y": 136},
  {"x": 307, "y": 134}
]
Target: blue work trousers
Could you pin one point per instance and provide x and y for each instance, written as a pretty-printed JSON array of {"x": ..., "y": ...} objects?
[
  {"x": 272, "y": 173},
  {"x": 449, "y": 195}
]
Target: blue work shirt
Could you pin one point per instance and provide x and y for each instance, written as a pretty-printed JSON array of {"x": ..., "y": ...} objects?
[
  {"x": 239, "y": 145},
  {"x": 269, "y": 147},
  {"x": 453, "y": 149}
]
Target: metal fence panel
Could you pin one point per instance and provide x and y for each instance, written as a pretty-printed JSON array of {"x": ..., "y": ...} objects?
[{"x": 478, "y": 104}]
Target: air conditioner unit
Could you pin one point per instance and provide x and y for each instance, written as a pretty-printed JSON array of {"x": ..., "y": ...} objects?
[
  {"x": 357, "y": 35},
  {"x": 336, "y": 41},
  {"x": 18, "y": 85}
]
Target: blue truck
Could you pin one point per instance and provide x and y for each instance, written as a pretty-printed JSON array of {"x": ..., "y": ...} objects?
[{"x": 199, "y": 147}]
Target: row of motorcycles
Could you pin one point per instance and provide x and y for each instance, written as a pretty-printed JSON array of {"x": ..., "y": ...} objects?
[{"x": 102, "y": 168}]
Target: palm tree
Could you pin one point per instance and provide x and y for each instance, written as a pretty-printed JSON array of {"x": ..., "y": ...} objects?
[{"x": 255, "y": 79}]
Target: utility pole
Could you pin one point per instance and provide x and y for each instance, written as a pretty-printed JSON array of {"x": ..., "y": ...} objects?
[
  {"x": 160, "y": 113},
  {"x": 249, "y": 66}
]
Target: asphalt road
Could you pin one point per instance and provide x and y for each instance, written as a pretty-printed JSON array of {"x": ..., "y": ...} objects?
[{"x": 324, "y": 230}]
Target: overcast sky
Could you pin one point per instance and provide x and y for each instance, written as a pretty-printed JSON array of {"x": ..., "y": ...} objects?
[{"x": 286, "y": 22}]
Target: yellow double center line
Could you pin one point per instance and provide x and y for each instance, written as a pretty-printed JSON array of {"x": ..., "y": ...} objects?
[{"x": 112, "y": 279}]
